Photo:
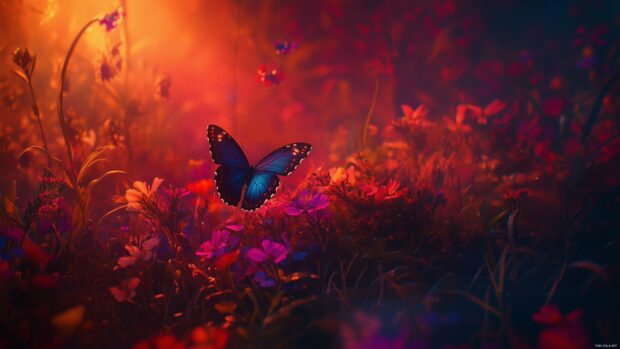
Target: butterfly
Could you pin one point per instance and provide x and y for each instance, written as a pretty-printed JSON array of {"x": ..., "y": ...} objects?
[{"x": 245, "y": 186}]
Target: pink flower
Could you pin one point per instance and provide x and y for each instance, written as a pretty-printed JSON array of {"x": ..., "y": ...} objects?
[
  {"x": 141, "y": 191},
  {"x": 126, "y": 290},
  {"x": 215, "y": 247},
  {"x": 136, "y": 253},
  {"x": 307, "y": 202},
  {"x": 269, "y": 249}
]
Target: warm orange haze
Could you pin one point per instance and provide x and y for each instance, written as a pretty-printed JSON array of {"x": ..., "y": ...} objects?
[{"x": 309, "y": 174}]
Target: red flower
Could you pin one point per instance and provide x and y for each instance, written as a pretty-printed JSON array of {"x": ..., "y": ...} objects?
[
  {"x": 563, "y": 332},
  {"x": 553, "y": 106}
]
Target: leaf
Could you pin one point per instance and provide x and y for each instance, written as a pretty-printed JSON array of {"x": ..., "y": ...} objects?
[
  {"x": 69, "y": 320},
  {"x": 111, "y": 212},
  {"x": 593, "y": 267},
  {"x": 596, "y": 108},
  {"x": 476, "y": 300},
  {"x": 286, "y": 310},
  {"x": 20, "y": 74},
  {"x": 90, "y": 160}
]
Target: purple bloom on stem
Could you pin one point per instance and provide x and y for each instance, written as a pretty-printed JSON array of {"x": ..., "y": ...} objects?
[
  {"x": 268, "y": 249},
  {"x": 214, "y": 247},
  {"x": 307, "y": 202},
  {"x": 111, "y": 20},
  {"x": 263, "y": 280}
]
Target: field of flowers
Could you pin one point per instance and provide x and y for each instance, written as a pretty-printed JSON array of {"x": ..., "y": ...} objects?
[{"x": 462, "y": 192}]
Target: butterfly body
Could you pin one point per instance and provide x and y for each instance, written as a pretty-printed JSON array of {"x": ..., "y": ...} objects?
[{"x": 241, "y": 184}]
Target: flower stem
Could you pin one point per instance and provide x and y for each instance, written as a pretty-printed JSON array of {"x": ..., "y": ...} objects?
[
  {"x": 37, "y": 114},
  {"x": 81, "y": 200},
  {"x": 63, "y": 74}
]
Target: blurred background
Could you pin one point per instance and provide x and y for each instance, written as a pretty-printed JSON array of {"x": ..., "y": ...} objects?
[{"x": 192, "y": 63}]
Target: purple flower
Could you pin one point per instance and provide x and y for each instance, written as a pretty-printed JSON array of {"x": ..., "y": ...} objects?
[
  {"x": 220, "y": 239},
  {"x": 263, "y": 280},
  {"x": 111, "y": 20},
  {"x": 269, "y": 249},
  {"x": 307, "y": 202}
]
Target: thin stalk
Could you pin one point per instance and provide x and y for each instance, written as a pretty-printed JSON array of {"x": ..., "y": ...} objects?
[
  {"x": 63, "y": 74},
  {"x": 65, "y": 131},
  {"x": 369, "y": 115},
  {"x": 37, "y": 114}
]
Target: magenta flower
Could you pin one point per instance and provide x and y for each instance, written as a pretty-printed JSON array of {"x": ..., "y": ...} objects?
[
  {"x": 307, "y": 202},
  {"x": 269, "y": 249},
  {"x": 111, "y": 20},
  {"x": 215, "y": 247}
]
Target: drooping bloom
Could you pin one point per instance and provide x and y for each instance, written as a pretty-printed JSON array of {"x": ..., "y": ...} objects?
[
  {"x": 126, "y": 290},
  {"x": 25, "y": 60},
  {"x": 162, "y": 86},
  {"x": 308, "y": 202},
  {"x": 269, "y": 250},
  {"x": 285, "y": 47},
  {"x": 136, "y": 253},
  {"x": 140, "y": 191},
  {"x": 111, "y": 20}
]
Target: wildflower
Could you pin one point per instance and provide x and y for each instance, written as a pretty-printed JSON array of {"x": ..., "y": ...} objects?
[
  {"x": 515, "y": 197},
  {"x": 111, "y": 20},
  {"x": 481, "y": 115},
  {"x": 5, "y": 269},
  {"x": 162, "y": 86},
  {"x": 269, "y": 249},
  {"x": 565, "y": 332},
  {"x": 307, "y": 202},
  {"x": 389, "y": 191},
  {"x": 126, "y": 290},
  {"x": 337, "y": 175},
  {"x": 137, "y": 253},
  {"x": 263, "y": 279},
  {"x": 413, "y": 117},
  {"x": 107, "y": 67},
  {"x": 286, "y": 47},
  {"x": 25, "y": 60},
  {"x": 216, "y": 246},
  {"x": 209, "y": 337},
  {"x": 227, "y": 259},
  {"x": 141, "y": 191},
  {"x": 112, "y": 130},
  {"x": 269, "y": 76},
  {"x": 553, "y": 106},
  {"x": 202, "y": 187}
]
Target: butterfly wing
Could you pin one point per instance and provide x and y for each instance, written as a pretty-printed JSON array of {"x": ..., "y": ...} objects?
[
  {"x": 264, "y": 182},
  {"x": 224, "y": 150},
  {"x": 261, "y": 187},
  {"x": 231, "y": 176},
  {"x": 229, "y": 182},
  {"x": 284, "y": 160}
]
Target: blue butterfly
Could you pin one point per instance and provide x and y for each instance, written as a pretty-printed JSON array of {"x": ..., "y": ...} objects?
[{"x": 240, "y": 184}]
